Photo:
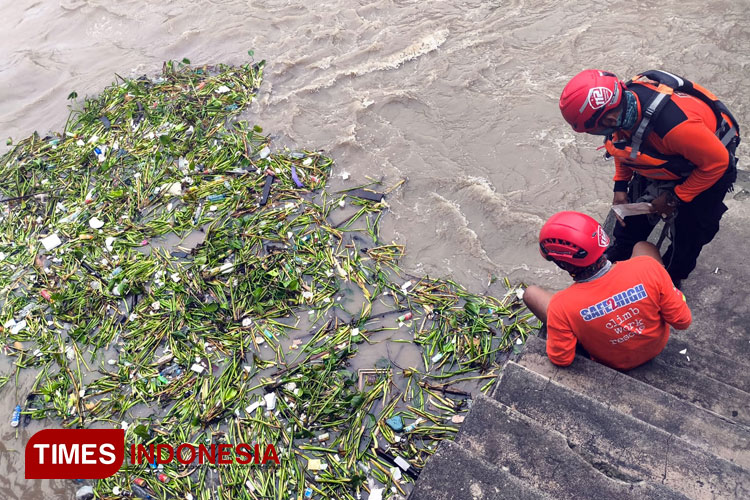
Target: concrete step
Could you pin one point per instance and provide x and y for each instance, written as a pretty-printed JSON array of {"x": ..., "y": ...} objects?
[
  {"x": 721, "y": 310},
  {"x": 706, "y": 392},
  {"x": 708, "y": 379},
  {"x": 454, "y": 473},
  {"x": 682, "y": 353},
  {"x": 621, "y": 443},
  {"x": 544, "y": 459},
  {"x": 701, "y": 427}
]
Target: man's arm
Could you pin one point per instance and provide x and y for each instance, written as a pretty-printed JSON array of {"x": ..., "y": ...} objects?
[
  {"x": 699, "y": 145},
  {"x": 622, "y": 176},
  {"x": 561, "y": 342}
]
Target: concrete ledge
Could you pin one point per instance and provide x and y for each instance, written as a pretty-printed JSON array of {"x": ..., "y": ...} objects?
[
  {"x": 706, "y": 392},
  {"x": 706, "y": 362},
  {"x": 703, "y": 428},
  {"x": 629, "y": 446},
  {"x": 543, "y": 458},
  {"x": 454, "y": 473}
]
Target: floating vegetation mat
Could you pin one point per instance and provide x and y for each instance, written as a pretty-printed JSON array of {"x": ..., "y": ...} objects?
[{"x": 163, "y": 271}]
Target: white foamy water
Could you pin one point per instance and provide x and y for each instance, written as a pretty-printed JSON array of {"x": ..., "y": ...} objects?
[{"x": 458, "y": 98}]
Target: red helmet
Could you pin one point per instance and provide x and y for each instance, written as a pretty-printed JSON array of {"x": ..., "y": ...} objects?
[
  {"x": 574, "y": 238},
  {"x": 588, "y": 96}
]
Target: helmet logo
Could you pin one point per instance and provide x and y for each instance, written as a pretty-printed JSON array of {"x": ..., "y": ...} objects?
[
  {"x": 599, "y": 97},
  {"x": 601, "y": 238}
]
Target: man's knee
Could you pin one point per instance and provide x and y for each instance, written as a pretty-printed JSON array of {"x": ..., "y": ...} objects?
[{"x": 646, "y": 248}]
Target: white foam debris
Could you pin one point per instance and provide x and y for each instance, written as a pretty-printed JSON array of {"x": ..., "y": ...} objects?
[{"x": 51, "y": 241}]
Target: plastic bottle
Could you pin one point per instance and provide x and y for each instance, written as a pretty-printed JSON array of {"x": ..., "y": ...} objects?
[
  {"x": 413, "y": 425},
  {"x": 139, "y": 492},
  {"x": 171, "y": 370},
  {"x": 16, "y": 418},
  {"x": 405, "y": 317},
  {"x": 85, "y": 493}
]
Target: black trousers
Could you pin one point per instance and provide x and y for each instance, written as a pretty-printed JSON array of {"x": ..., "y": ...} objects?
[{"x": 696, "y": 225}]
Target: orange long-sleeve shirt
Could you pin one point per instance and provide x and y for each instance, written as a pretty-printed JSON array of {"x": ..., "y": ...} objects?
[
  {"x": 622, "y": 318},
  {"x": 694, "y": 139}
]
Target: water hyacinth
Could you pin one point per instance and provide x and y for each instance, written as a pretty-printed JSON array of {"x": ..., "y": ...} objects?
[{"x": 179, "y": 278}]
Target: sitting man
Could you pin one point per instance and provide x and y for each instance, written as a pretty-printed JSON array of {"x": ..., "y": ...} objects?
[{"x": 619, "y": 313}]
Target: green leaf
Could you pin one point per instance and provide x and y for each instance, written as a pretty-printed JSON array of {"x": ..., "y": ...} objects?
[
  {"x": 471, "y": 308},
  {"x": 72, "y": 95},
  {"x": 251, "y": 53},
  {"x": 292, "y": 284},
  {"x": 142, "y": 432},
  {"x": 212, "y": 307},
  {"x": 185, "y": 60}
]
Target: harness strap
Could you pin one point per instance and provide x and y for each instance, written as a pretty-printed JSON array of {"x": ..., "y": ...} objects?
[
  {"x": 640, "y": 132},
  {"x": 728, "y": 135}
]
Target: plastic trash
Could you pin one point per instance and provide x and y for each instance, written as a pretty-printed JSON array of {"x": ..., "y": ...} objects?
[
  {"x": 139, "y": 492},
  {"x": 51, "y": 241},
  {"x": 16, "y": 418},
  {"x": 252, "y": 407},
  {"x": 96, "y": 223},
  {"x": 402, "y": 463},
  {"x": 216, "y": 197},
  {"x": 396, "y": 423},
  {"x": 314, "y": 464},
  {"x": 270, "y": 399},
  {"x": 308, "y": 492},
  {"x": 366, "y": 194},
  {"x": 17, "y": 327},
  {"x": 395, "y": 473},
  {"x": 405, "y": 317},
  {"x": 376, "y": 494},
  {"x": 266, "y": 189},
  {"x": 295, "y": 178},
  {"x": 413, "y": 425},
  {"x": 171, "y": 370},
  {"x": 85, "y": 493}
]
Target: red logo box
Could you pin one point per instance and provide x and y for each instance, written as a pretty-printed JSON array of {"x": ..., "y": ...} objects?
[{"x": 75, "y": 453}]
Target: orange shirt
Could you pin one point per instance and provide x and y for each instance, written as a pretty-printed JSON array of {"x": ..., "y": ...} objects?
[
  {"x": 622, "y": 318},
  {"x": 695, "y": 140}
]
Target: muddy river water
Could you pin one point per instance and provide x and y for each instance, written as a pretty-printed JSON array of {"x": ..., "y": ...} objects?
[{"x": 457, "y": 98}]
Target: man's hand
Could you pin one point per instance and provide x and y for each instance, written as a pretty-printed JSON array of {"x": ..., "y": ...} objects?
[
  {"x": 664, "y": 204},
  {"x": 620, "y": 198}
]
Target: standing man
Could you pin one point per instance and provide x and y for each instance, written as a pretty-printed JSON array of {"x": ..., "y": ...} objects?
[
  {"x": 673, "y": 143},
  {"x": 620, "y": 314}
]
